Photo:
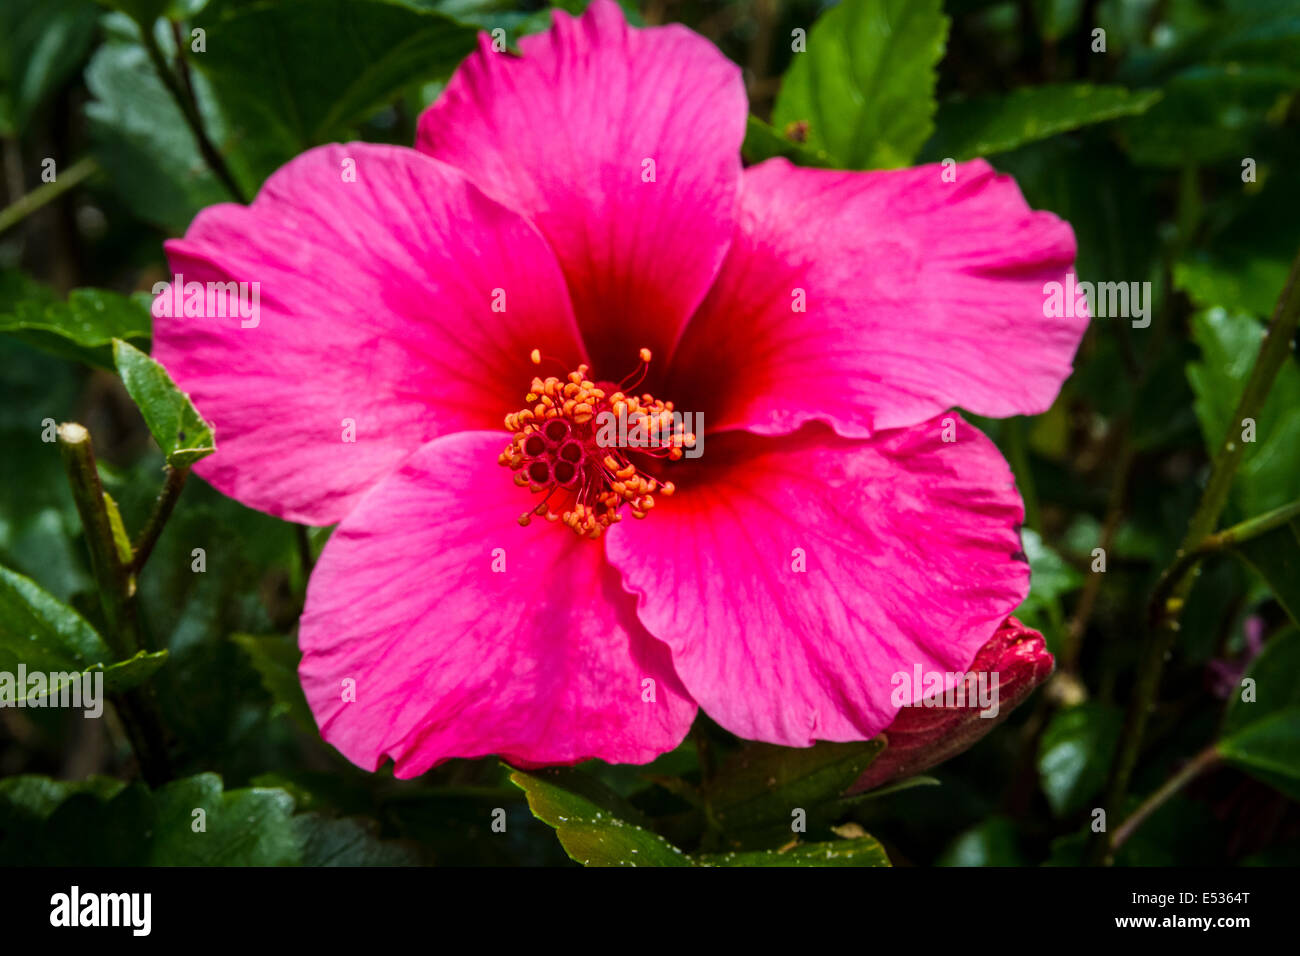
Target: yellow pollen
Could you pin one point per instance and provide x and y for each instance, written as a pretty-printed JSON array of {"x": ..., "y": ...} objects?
[{"x": 558, "y": 447}]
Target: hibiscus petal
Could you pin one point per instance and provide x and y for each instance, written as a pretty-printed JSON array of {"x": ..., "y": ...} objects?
[
  {"x": 563, "y": 133},
  {"x": 543, "y": 662},
  {"x": 918, "y": 296},
  {"x": 911, "y": 550},
  {"x": 921, "y": 737},
  {"x": 376, "y": 306}
]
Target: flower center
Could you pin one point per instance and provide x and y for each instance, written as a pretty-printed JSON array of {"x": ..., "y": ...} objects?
[{"x": 571, "y": 444}]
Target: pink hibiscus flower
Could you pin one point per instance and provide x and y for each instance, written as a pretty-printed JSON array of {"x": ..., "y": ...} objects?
[{"x": 585, "y": 204}]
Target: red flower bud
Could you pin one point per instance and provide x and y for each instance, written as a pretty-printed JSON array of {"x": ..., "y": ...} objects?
[{"x": 922, "y": 736}]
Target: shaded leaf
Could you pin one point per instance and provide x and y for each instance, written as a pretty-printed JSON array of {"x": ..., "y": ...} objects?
[
  {"x": 1276, "y": 558},
  {"x": 296, "y": 74},
  {"x": 276, "y": 661},
  {"x": 1244, "y": 265},
  {"x": 993, "y": 842},
  {"x": 1262, "y": 735},
  {"x": 762, "y": 784},
  {"x": 348, "y": 842},
  {"x": 41, "y": 45},
  {"x": 1074, "y": 754},
  {"x": 1269, "y": 749},
  {"x": 139, "y": 827},
  {"x": 984, "y": 126},
  {"x": 1205, "y": 112},
  {"x": 140, "y": 137}
]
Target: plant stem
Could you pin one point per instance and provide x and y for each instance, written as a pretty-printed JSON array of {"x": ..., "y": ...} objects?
[
  {"x": 1219, "y": 541},
  {"x": 42, "y": 195},
  {"x": 162, "y": 510},
  {"x": 1195, "y": 767},
  {"x": 1174, "y": 588},
  {"x": 114, "y": 579},
  {"x": 190, "y": 109},
  {"x": 116, "y": 585}
]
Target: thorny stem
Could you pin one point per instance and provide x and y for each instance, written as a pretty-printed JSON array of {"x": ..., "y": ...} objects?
[
  {"x": 1176, "y": 584},
  {"x": 42, "y": 195},
  {"x": 1195, "y": 767},
  {"x": 116, "y": 584},
  {"x": 190, "y": 109},
  {"x": 162, "y": 510}
]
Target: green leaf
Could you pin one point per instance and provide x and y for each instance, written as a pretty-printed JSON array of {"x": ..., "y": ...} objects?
[
  {"x": 103, "y": 822},
  {"x": 295, "y": 74},
  {"x": 47, "y": 636},
  {"x": 865, "y": 85},
  {"x": 591, "y": 834},
  {"x": 33, "y": 798},
  {"x": 1260, "y": 732},
  {"x": 142, "y": 11},
  {"x": 1266, "y": 475},
  {"x": 1075, "y": 753},
  {"x": 348, "y": 842},
  {"x": 988, "y": 125},
  {"x": 83, "y": 328},
  {"x": 761, "y": 785},
  {"x": 993, "y": 842},
  {"x": 175, "y": 423},
  {"x": 1245, "y": 263},
  {"x": 1206, "y": 113},
  {"x": 39, "y": 525},
  {"x": 763, "y": 142},
  {"x": 1269, "y": 749},
  {"x": 276, "y": 661},
  {"x": 1275, "y": 557},
  {"x": 863, "y": 851},
  {"x": 1050, "y": 578},
  {"x": 41, "y": 46},
  {"x": 139, "y": 827},
  {"x": 140, "y": 137},
  {"x": 131, "y": 672},
  {"x": 894, "y": 786},
  {"x": 595, "y": 834},
  {"x": 44, "y": 634}
]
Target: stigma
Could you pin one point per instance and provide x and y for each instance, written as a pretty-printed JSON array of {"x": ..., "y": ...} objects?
[{"x": 564, "y": 446}]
